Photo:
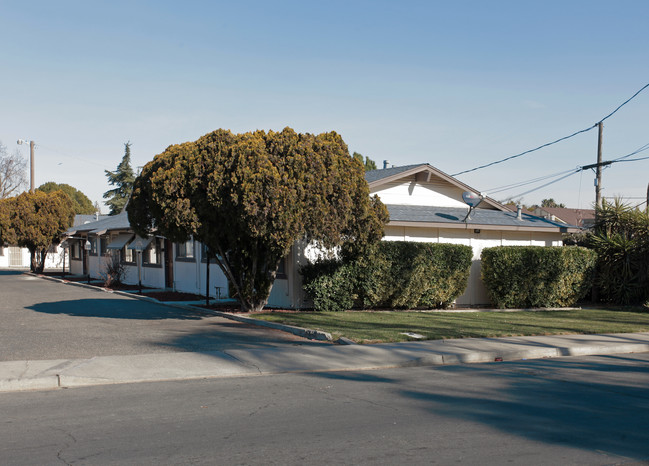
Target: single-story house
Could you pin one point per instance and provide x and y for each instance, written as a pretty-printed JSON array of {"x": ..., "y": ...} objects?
[
  {"x": 156, "y": 262},
  {"x": 424, "y": 203},
  {"x": 15, "y": 256}
]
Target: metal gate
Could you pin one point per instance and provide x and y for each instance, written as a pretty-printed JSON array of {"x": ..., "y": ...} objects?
[{"x": 15, "y": 256}]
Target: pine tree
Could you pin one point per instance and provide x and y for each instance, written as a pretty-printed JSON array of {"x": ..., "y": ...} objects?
[{"x": 123, "y": 179}]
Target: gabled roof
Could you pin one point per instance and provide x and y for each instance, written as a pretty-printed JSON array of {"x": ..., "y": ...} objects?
[
  {"x": 111, "y": 222},
  {"x": 377, "y": 178},
  {"x": 487, "y": 219}
]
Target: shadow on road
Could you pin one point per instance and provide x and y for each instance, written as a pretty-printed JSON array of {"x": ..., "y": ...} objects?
[
  {"x": 116, "y": 309},
  {"x": 13, "y": 271},
  {"x": 596, "y": 406}
]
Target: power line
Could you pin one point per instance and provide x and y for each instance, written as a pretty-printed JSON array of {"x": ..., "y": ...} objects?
[
  {"x": 572, "y": 172},
  {"x": 556, "y": 141},
  {"x": 567, "y": 173},
  {"x": 523, "y": 183}
]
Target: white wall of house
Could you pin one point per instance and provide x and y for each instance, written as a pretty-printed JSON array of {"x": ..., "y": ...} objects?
[
  {"x": 409, "y": 191},
  {"x": 13, "y": 256}
]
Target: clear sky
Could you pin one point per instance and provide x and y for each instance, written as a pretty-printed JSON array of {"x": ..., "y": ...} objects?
[{"x": 454, "y": 84}]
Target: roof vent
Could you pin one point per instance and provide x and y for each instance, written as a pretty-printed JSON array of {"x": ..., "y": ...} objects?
[
  {"x": 385, "y": 164},
  {"x": 519, "y": 213}
]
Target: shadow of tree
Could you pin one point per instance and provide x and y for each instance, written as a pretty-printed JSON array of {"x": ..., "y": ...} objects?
[
  {"x": 597, "y": 405},
  {"x": 116, "y": 309}
]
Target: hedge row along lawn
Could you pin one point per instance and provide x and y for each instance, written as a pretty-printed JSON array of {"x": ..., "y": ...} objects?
[{"x": 378, "y": 326}]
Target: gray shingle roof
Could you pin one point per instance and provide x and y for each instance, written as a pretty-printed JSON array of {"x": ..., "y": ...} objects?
[
  {"x": 375, "y": 175},
  {"x": 111, "y": 222},
  {"x": 456, "y": 215}
]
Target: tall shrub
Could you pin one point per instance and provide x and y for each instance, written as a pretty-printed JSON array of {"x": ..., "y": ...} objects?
[
  {"x": 536, "y": 276},
  {"x": 393, "y": 274}
]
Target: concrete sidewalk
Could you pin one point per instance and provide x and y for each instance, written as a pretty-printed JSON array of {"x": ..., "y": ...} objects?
[{"x": 26, "y": 375}]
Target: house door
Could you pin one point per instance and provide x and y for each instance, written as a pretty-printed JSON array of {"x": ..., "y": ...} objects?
[
  {"x": 15, "y": 256},
  {"x": 169, "y": 264}
]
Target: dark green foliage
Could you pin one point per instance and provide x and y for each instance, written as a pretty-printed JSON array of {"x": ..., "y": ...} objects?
[
  {"x": 551, "y": 203},
  {"x": 123, "y": 179},
  {"x": 621, "y": 239},
  {"x": 331, "y": 284},
  {"x": 80, "y": 202},
  {"x": 367, "y": 162},
  {"x": 249, "y": 197},
  {"x": 393, "y": 274},
  {"x": 536, "y": 276}
]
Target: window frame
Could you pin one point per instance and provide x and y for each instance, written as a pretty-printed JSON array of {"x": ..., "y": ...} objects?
[
  {"x": 146, "y": 254},
  {"x": 181, "y": 256}
]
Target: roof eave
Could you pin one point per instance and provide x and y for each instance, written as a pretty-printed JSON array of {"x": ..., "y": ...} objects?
[
  {"x": 482, "y": 226},
  {"x": 442, "y": 175}
]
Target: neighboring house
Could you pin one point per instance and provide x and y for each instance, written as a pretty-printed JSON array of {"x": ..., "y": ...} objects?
[
  {"x": 583, "y": 218},
  {"x": 426, "y": 205},
  {"x": 15, "y": 256},
  {"x": 159, "y": 262}
]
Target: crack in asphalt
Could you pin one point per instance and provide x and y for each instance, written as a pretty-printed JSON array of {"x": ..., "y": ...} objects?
[{"x": 59, "y": 454}]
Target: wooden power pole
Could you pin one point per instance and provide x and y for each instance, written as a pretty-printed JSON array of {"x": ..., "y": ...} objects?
[
  {"x": 598, "y": 169},
  {"x": 31, "y": 167}
]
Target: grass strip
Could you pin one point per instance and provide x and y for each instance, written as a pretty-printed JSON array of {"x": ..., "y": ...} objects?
[{"x": 388, "y": 326}]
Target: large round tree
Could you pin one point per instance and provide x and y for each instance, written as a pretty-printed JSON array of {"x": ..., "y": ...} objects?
[
  {"x": 35, "y": 221},
  {"x": 249, "y": 197}
]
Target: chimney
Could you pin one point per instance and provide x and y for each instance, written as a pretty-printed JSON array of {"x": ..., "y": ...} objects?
[
  {"x": 385, "y": 164},
  {"x": 519, "y": 213}
]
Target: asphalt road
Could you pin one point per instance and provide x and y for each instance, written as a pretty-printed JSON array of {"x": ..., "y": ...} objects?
[
  {"x": 589, "y": 411},
  {"x": 42, "y": 319}
]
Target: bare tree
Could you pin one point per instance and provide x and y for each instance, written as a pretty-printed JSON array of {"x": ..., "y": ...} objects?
[{"x": 13, "y": 172}]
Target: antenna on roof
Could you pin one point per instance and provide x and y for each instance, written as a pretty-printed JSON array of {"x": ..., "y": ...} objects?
[{"x": 472, "y": 200}]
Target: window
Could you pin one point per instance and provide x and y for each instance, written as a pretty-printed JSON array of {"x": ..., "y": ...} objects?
[
  {"x": 93, "y": 246},
  {"x": 185, "y": 251},
  {"x": 151, "y": 255},
  {"x": 213, "y": 256},
  {"x": 75, "y": 250},
  {"x": 103, "y": 242},
  {"x": 281, "y": 270},
  {"x": 128, "y": 255}
]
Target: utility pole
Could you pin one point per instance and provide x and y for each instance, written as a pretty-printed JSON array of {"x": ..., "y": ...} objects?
[
  {"x": 31, "y": 167},
  {"x": 31, "y": 163},
  {"x": 598, "y": 169}
]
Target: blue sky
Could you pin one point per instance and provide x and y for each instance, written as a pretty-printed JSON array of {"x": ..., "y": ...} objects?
[{"x": 453, "y": 84}]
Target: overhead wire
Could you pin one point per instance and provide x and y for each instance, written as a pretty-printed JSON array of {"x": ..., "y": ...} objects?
[
  {"x": 557, "y": 140},
  {"x": 567, "y": 174}
]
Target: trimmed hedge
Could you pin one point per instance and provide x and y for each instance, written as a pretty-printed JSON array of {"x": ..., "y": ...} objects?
[
  {"x": 395, "y": 274},
  {"x": 537, "y": 276}
]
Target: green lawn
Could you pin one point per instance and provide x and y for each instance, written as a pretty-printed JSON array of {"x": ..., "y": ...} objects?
[{"x": 374, "y": 327}]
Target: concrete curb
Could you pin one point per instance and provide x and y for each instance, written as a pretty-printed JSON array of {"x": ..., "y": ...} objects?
[{"x": 105, "y": 370}]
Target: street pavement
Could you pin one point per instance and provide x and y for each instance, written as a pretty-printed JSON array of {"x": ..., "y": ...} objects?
[{"x": 140, "y": 341}]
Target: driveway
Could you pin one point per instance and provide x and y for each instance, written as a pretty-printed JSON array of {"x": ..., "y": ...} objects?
[{"x": 43, "y": 319}]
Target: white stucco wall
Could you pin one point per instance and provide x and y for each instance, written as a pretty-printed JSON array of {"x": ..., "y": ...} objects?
[
  {"x": 409, "y": 191},
  {"x": 20, "y": 257}
]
